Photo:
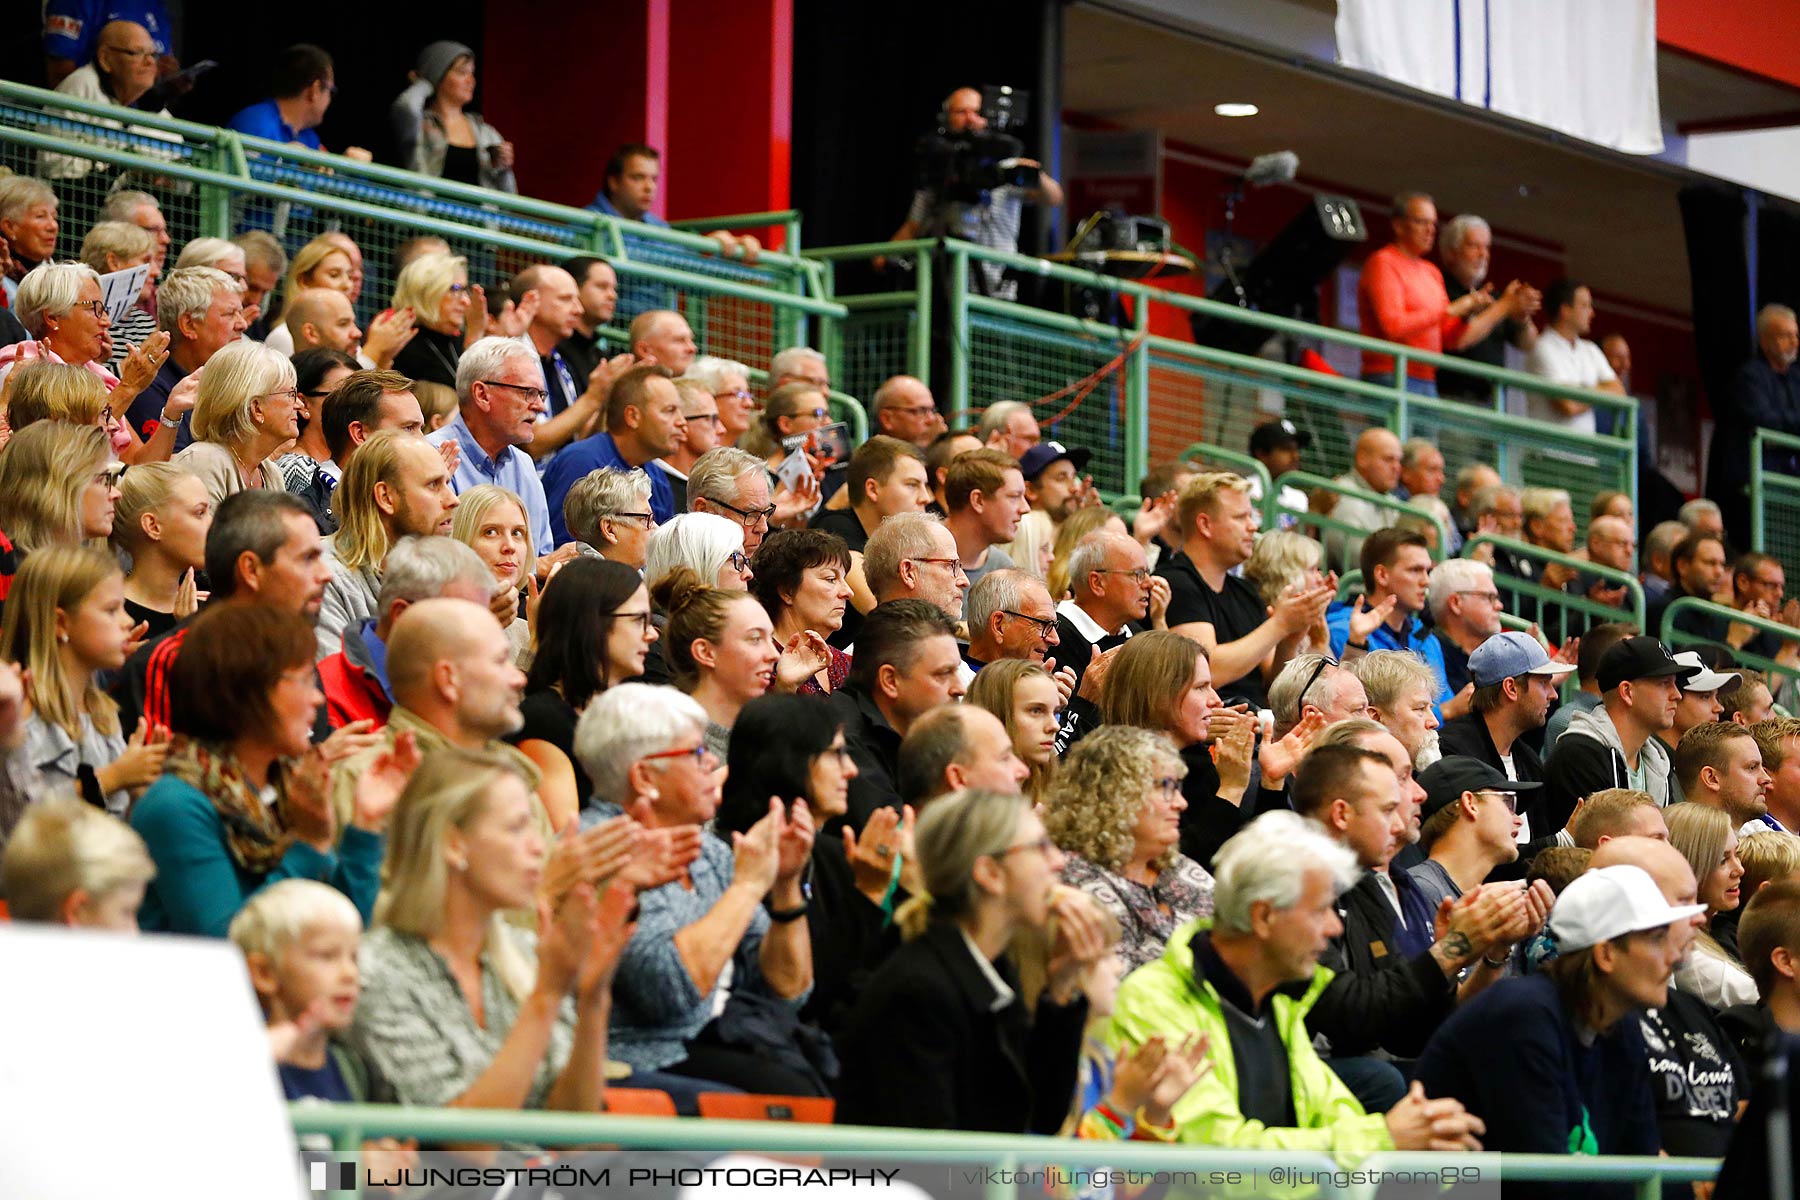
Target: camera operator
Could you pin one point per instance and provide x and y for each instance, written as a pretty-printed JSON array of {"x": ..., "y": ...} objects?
[{"x": 991, "y": 217}]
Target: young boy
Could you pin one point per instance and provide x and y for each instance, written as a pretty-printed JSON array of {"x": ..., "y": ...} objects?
[{"x": 69, "y": 863}]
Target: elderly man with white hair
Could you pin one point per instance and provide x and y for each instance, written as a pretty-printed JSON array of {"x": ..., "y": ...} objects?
[
  {"x": 729, "y": 383},
  {"x": 499, "y": 395},
  {"x": 1400, "y": 689},
  {"x": 1231, "y": 977},
  {"x": 202, "y": 311},
  {"x": 644, "y": 747},
  {"x": 799, "y": 364},
  {"x": 1316, "y": 687},
  {"x": 1111, "y": 590},
  {"x": 123, "y": 70},
  {"x": 1465, "y": 612},
  {"x": 1464, "y": 245},
  {"x": 1009, "y": 427},
  {"x": 734, "y": 484}
]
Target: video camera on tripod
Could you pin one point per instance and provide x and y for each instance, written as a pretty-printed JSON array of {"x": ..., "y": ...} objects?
[{"x": 964, "y": 165}]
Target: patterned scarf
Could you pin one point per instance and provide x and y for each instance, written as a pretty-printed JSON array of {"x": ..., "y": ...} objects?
[{"x": 256, "y": 833}]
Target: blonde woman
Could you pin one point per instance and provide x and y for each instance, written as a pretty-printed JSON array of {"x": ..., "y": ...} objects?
[
  {"x": 1281, "y": 559},
  {"x": 1081, "y": 522},
  {"x": 68, "y": 863},
  {"x": 248, "y": 407},
  {"x": 65, "y": 624},
  {"x": 1115, "y": 809},
  {"x": 1034, "y": 545},
  {"x": 321, "y": 263},
  {"x": 459, "y": 1007},
  {"x": 1025, "y": 698},
  {"x": 118, "y": 246},
  {"x": 47, "y": 391},
  {"x": 1707, "y": 840},
  {"x": 448, "y": 313},
  {"x": 491, "y": 521},
  {"x": 161, "y": 521},
  {"x": 58, "y": 486}
]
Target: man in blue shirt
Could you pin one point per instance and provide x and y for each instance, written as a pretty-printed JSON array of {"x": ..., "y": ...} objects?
[
  {"x": 72, "y": 32},
  {"x": 632, "y": 175},
  {"x": 1396, "y": 569},
  {"x": 643, "y": 423},
  {"x": 303, "y": 83},
  {"x": 500, "y": 392}
]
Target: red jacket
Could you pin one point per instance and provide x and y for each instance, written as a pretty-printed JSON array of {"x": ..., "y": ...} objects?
[{"x": 354, "y": 680}]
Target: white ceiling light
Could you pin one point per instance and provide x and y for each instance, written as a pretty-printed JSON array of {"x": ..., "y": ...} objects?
[{"x": 1235, "y": 110}]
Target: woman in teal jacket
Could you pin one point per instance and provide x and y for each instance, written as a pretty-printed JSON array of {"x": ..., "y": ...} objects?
[{"x": 244, "y": 700}]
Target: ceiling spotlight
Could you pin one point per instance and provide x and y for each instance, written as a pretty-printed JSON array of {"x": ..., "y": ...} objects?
[{"x": 1235, "y": 110}]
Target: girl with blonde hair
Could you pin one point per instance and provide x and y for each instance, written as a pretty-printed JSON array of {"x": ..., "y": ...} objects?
[
  {"x": 1024, "y": 696},
  {"x": 58, "y": 485},
  {"x": 65, "y": 623},
  {"x": 459, "y": 1007},
  {"x": 161, "y": 522},
  {"x": 248, "y": 407},
  {"x": 491, "y": 521},
  {"x": 1707, "y": 840}
]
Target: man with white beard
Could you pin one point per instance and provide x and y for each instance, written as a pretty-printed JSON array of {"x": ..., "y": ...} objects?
[{"x": 1464, "y": 245}]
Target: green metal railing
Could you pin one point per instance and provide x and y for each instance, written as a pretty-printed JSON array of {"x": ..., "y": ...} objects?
[
  {"x": 1341, "y": 538},
  {"x": 1554, "y": 608},
  {"x": 1775, "y": 502},
  {"x": 1133, "y": 397},
  {"x": 786, "y": 220},
  {"x": 1724, "y": 616},
  {"x": 349, "y": 1124},
  {"x": 215, "y": 182}
]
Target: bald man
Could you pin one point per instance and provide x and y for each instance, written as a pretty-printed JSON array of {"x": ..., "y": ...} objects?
[
  {"x": 451, "y": 670},
  {"x": 1377, "y": 470},
  {"x": 663, "y": 337},
  {"x": 1697, "y": 1077},
  {"x": 957, "y": 746},
  {"x": 904, "y": 408},
  {"x": 572, "y": 401},
  {"x": 323, "y": 318}
]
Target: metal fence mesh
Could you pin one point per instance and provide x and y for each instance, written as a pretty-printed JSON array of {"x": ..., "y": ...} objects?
[
  {"x": 1017, "y": 359},
  {"x": 1781, "y": 521},
  {"x": 875, "y": 346}
]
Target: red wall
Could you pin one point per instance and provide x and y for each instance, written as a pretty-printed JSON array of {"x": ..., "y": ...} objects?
[{"x": 1761, "y": 37}]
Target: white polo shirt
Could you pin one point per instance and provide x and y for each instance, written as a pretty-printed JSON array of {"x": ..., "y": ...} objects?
[{"x": 1579, "y": 363}]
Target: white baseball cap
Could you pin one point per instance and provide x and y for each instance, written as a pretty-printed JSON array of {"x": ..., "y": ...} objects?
[
  {"x": 1610, "y": 902},
  {"x": 1705, "y": 679}
]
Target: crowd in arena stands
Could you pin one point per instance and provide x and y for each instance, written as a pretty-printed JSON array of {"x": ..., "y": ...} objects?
[{"x": 538, "y": 719}]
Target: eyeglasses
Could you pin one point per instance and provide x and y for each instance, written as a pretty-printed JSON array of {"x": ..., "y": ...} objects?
[
  {"x": 642, "y": 618},
  {"x": 740, "y": 562},
  {"x": 842, "y": 753},
  {"x": 955, "y": 564},
  {"x": 1046, "y": 629},
  {"x": 740, "y": 394},
  {"x": 1325, "y": 660},
  {"x": 648, "y": 520},
  {"x": 751, "y": 517},
  {"x": 1510, "y": 799},
  {"x": 97, "y": 307},
  {"x": 698, "y": 753},
  {"x": 1141, "y": 576},
  {"x": 318, "y": 394},
  {"x": 922, "y": 410},
  {"x": 538, "y": 395},
  {"x": 1042, "y": 845},
  {"x": 457, "y": 289},
  {"x": 714, "y": 417},
  {"x": 291, "y": 395},
  {"x": 1492, "y": 598},
  {"x": 108, "y": 476},
  {"x": 1168, "y": 785}
]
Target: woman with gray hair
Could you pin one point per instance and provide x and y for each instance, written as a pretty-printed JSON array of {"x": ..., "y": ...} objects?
[
  {"x": 608, "y": 512},
  {"x": 28, "y": 227},
  {"x": 61, "y": 308},
  {"x": 435, "y": 133},
  {"x": 643, "y": 748},
  {"x": 247, "y": 408},
  {"x": 1115, "y": 809},
  {"x": 709, "y": 546},
  {"x": 729, "y": 383}
]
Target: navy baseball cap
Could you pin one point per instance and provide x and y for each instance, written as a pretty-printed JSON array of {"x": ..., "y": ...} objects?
[
  {"x": 1033, "y": 462},
  {"x": 1272, "y": 435},
  {"x": 1449, "y": 777}
]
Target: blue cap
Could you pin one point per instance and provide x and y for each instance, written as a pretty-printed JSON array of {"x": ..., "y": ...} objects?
[{"x": 1508, "y": 654}]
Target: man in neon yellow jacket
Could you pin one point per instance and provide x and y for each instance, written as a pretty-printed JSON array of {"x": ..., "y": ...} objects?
[{"x": 1246, "y": 979}]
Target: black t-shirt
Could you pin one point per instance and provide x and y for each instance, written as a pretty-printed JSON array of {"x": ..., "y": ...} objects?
[
  {"x": 431, "y": 355},
  {"x": 1696, "y": 1075},
  {"x": 844, "y": 523},
  {"x": 1234, "y": 611},
  {"x": 582, "y": 354},
  {"x": 159, "y": 622},
  {"x": 462, "y": 164},
  {"x": 1490, "y": 350},
  {"x": 549, "y": 718}
]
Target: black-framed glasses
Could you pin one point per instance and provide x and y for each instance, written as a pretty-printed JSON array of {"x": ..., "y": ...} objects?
[
  {"x": 648, "y": 520},
  {"x": 1325, "y": 660},
  {"x": 97, "y": 307},
  {"x": 1046, "y": 629},
  {"x": 749, "y": 516},
  {"x": 642, "y": 618},
  {"x": 738, "y": 561},
  {"x": 955, "y": 564},
  {"x": 537, "y": 394},
  {"x": 291, "y": 395},
  {"x": 714, "y": 417},
  {"x": 1141, "y": 576},
  {"x": 109, "y": 475}
]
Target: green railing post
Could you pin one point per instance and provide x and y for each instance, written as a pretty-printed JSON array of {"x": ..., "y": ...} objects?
[
  {"x": 215, "y": 201},
  {"x": 1756, "y": 491},
  {"x": 1137, "y": 398},
  {"x": 959, "y": 331},
  {"x": 918, "y": 350},
  {"x": 1402, "y": 418},
  {"x": 1246, "y": 465}
]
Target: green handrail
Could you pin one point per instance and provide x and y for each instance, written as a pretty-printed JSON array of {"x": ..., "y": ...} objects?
[
  {"x": 1723, "y": 612},
  {"x": 787, "y": 219},
  {"x": 1760, "y": 477},
  {"x": 1634, "y": 590},
  {"x": 1246, "y": 465},
  {"x": 1306, "y": 481},
  {"x": 349, "y": 1124}
]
